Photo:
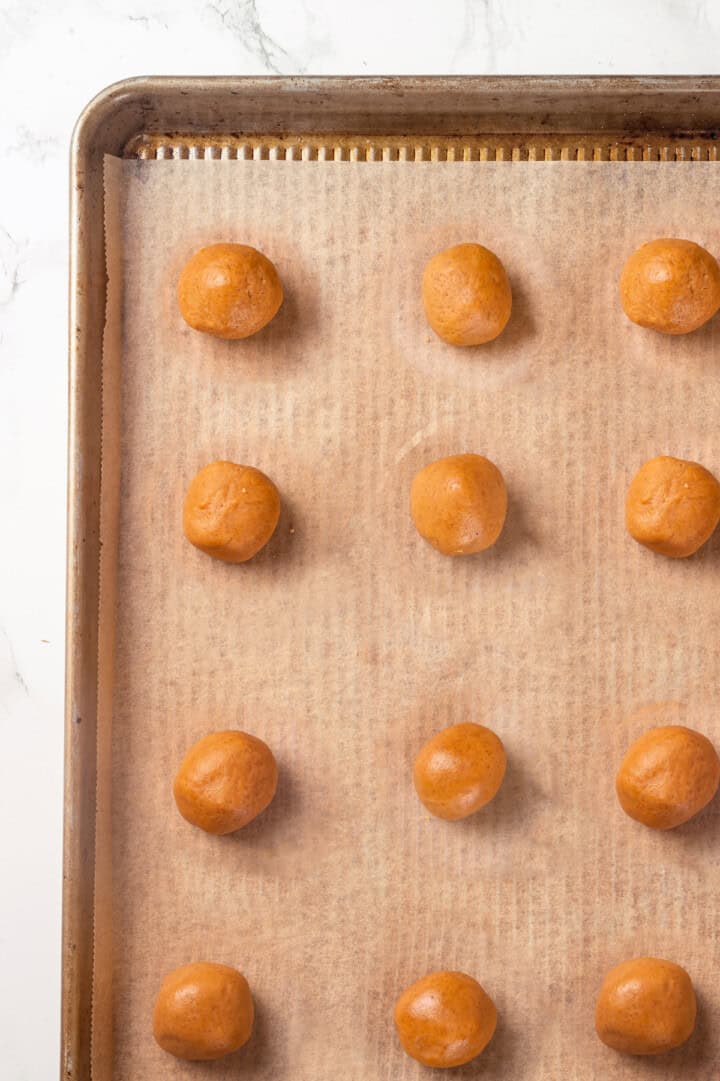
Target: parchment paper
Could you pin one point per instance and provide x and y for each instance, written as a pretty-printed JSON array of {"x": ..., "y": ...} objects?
[{"x": 348, "y": 641}]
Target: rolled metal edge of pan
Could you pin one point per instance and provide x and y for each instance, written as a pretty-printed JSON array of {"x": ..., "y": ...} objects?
[{"x": 546, "y": 106}]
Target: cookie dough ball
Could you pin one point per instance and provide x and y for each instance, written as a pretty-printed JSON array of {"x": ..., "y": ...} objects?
[
  {"x": 445, "y": 1019},
  {"x": 668, "y": 775},
  {"x": 672, "y": 506},
  {"x": 670, "y": 285},
  {"x": 458, "y": 504},
  {"x": 229, "y": 290},
  {"x": 225, "y": 780},
  {"x": 459, "y": 770},
  {"x": 203, "y": 1011},
  {"x": 645, "y": 1007},
  {"x": 231, "y": 511},
  {"x": 466, "y": 295}
]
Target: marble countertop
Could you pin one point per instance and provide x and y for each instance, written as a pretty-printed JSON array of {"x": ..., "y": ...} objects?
[{"x": 53, "y": 58}]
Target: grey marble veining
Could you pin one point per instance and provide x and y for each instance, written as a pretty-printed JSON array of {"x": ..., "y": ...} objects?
[
  {"x": 10, "y": 262},
  {"x": 241, "y": 18}
]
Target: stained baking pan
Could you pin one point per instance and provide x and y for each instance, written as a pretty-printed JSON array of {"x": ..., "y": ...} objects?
[{"x": 673, "y": 120}]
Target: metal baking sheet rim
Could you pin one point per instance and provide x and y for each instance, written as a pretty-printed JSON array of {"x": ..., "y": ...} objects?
[{"x": 513, "y": 118}]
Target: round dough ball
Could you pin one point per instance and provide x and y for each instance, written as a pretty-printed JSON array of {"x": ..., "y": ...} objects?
[
  {"x": 668, "y": 775},
  {"x": 670, "y": 285},
  {"x": 672, "y": 506},
  {"x": 229, "y": 290},
  {"x": 203, "y": 1011},
  {"x": 231, "y": 511},
  {"x": 459, "y": 770},
  {"x": 445, "y": 1019},
  {"x": 459, "y": 503},
  {"x": 645, "y": 1007},
  {"x": 466, "y": 295},
  {"x": 225, "y": 780}
]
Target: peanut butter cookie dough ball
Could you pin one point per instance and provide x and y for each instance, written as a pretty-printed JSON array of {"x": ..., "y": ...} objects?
[
  {"x": 466, "y": 295},
  {"x": 225, "y": 780},
  {"x": 445, "y": 1019},
  {"x": 670, "y": 285},
  {"x": 672, "y": 506},
  {"x": 459, "y": 770},
  {"x": 645, "y": 1007},
  {"x": 668, "y": 775},
  {"x": 229, "y": 290},
  {"x": 458, "y": 504},
  {"x": 231, "y": 511},
  {"x": 203, "y": 1011}
]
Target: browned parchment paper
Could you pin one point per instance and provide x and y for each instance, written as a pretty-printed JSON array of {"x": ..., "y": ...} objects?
[{"x": 348, "y": 641}]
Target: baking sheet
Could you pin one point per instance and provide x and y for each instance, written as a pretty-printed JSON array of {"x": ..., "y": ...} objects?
[{"x": 348, "y": 641}]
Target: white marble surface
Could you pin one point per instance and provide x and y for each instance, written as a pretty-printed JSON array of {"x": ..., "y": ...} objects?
[{"x": 54, "y": 56}]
